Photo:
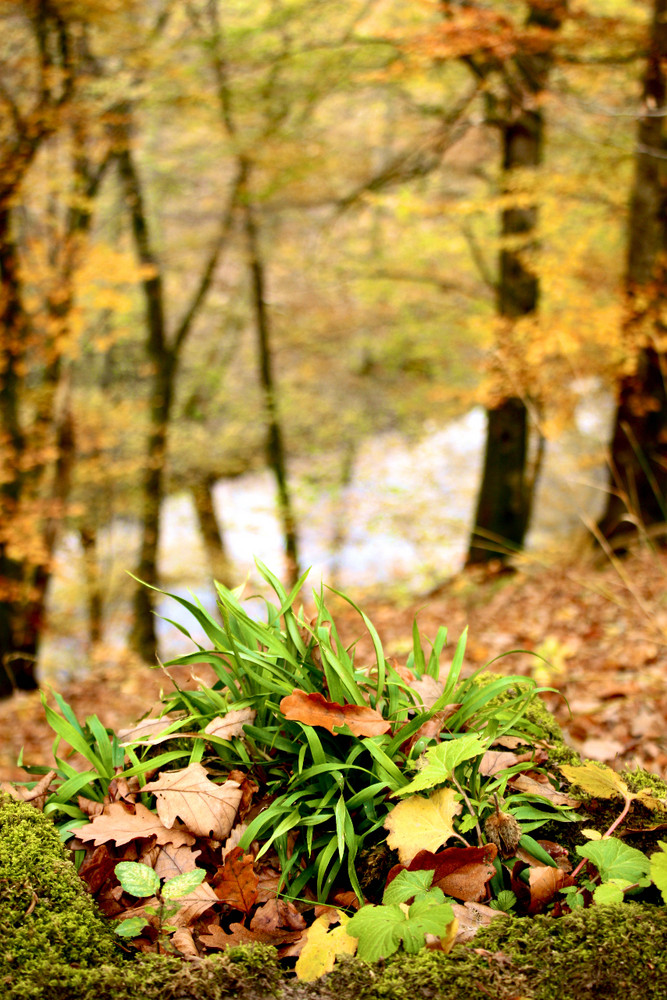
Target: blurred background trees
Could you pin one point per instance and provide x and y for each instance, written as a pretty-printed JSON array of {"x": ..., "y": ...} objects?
[{"x": 243, "y": 244}]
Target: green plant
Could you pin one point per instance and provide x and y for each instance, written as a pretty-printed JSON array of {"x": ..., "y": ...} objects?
[
  {"x": 142, "y": 881},
  {"x": 383, "y": 929}
]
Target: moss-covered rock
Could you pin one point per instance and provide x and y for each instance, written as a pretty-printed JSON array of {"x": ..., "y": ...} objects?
[{"x": 46, "y": 915}]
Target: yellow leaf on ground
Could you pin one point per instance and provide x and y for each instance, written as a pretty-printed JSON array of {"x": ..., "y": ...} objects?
[
  {"x": 597, "y": 780},
  {"x": 323, "y": 946},
  {"x": 418, "y": 824}
]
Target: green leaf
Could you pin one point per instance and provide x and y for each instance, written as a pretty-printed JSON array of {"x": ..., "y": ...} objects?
[
  {"x": 131, "y": 927},
  {"x": 406, "y": 885},
  {"x": 442, "y": 760},
  {"x": 379, "y": 929},
  {"x": 181, "y": 885},
  {"x": 607, "y": 893},
  {"x": 615, "y": 860},
  {"x": 427, "y": 915},
  {"x": 658, "y": 869},
  {"x": 137, "y": 879}
]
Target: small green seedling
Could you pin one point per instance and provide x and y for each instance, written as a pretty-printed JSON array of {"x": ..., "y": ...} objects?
[{"x": 141, "y": 881}]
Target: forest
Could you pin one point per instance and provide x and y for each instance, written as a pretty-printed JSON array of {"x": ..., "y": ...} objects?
[
  {"x": 333, "y": 497},
  {"x": 254, "y": 239}
]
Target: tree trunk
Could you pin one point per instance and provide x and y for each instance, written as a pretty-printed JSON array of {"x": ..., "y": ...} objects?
[
  {"x": 275, "y": 449},
  {"x": 638, "y": 450},
  {"x": 94, "y": 599},
  {"x": 209, "y": 526},
  {"x": 505, "y": 496}
]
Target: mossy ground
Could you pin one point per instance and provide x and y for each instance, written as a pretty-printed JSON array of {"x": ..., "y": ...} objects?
[{"x": 55, "y": 945}]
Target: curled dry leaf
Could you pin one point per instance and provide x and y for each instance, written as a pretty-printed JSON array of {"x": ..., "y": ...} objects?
[
  {"x": 535, "y": 786},
  {"x": 206, "y": 809},
  {"x": 36, "y": 795},
  {"x": 544, "y": 883},
  {"x": 171, "y": 860},
  {"x": 145, "y": 732},
  {"x": 314, "y": 710},
  {"x": 233, "y": 839},
  {"x": 192, "y": 906},
  {"x": 121, "y": 826},
  {"x": 231, "y": 724},
  {"x": 183, "y": 941}
]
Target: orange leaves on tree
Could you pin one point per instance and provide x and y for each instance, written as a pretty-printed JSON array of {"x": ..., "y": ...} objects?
[
  {"x": 206, "y": 809},
  {"x": 236, "y": 882},
  {"x": 418, "y": 824},
  {"x": 314, "y": 710}
]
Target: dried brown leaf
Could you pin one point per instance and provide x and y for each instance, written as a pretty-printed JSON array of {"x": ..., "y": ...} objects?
[
  {"x": 231, "y": 724},
  {"x": 121, "y": 826},
  {"x": 236, "y": 882},
  {"x": 206, "y": 809}
]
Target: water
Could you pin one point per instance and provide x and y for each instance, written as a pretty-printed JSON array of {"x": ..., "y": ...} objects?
[{"x": 407, "y": 515}]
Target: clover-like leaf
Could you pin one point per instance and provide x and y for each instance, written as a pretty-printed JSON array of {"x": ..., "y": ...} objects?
[
  {"x": 181, "y": 885},
  {"x": 137, "y": 879},
  {"x": 615, "y": 860},
  {"x": 441, "y": 762}
]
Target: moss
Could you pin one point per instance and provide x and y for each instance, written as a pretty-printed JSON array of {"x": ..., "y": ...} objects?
[
  {"x": 616, "y": 951},
  {"x": 46, "y": 914},
  {"x": 243, "y": 972}
]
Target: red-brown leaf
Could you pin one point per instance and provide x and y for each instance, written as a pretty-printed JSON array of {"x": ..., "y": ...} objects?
[
  {"x": 236, "y": 882},
  {"x": 314, "y": 710}
]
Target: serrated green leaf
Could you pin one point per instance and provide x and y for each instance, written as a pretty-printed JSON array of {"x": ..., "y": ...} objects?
[
  {"x": 137, "y": 879},
  {"x": 378, "y": 929},
  {"x": 181, "y": 885},
  {"x": 426, "y": 916},
  {"x": 607, "y": 893},
  {"x": 658, "y": 869},
  {"x": 442, "y": 760},
  {"x": 615, "y": 860},
  {"x": 406, "y": 885}
]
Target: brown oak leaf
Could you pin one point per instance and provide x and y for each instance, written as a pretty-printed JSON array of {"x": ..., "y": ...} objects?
[
  {"x": 231, "y": 724},
  {"x": 314, "y": 710},
  {"x": 236, "y": 882},
  {"x": 121, "y": 826},
  {"x": 206, "y": 809}
]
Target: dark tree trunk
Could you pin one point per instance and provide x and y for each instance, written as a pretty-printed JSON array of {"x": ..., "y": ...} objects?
[
  {"x": 94, "y": 598},
  {"x": 212, "y": 536},
  {"x": 505, "y": 497},
  {"x": 275, "y": 448},
  {"x": 638, "y": 459}
]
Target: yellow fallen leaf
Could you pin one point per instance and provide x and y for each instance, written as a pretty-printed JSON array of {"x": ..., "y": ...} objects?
[
  {"x": 323, "y": 946},
  {"x": 597, "y": 780},
  {"x": 445, "y": 943},
  {"x": 418, "y": 824}
]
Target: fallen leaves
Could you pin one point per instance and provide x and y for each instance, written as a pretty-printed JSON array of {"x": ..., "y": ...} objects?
[
  {"x": 314, "y": 710},
  {"x": 206, "y": 809},
  {"x": 121, "y": 826},
  {"x": 323, "y": 945},
  {"x": 418, "y": 824},
  {"x": 236, "y": 882}
]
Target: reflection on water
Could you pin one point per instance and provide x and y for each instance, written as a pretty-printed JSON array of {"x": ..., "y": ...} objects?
[{"x": 406, "y": 516}]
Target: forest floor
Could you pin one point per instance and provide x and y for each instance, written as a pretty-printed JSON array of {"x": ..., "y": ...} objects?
[{"x": 601, "y": 627}]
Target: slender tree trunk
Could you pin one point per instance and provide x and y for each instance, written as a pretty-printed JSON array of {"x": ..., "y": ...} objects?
[
  {"x": 163, "y": 354},
  {"x": 275, "y": 449},
  {"x": 505, "y": 497},
  {"x": 94, "y": 599},
  {"x": 638, "y": 452},
  {"x": 209, "y": 526}
]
